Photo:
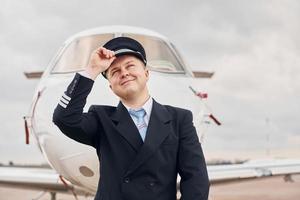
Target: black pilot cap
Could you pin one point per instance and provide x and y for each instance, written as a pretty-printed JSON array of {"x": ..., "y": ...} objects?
[{"x": 126, "y": 46}]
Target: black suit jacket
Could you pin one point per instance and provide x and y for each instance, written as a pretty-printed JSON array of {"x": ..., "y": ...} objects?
[{"x": 130, "y": 168}]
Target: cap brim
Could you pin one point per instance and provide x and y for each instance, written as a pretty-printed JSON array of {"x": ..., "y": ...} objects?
[{"x": 122, "y": 52}]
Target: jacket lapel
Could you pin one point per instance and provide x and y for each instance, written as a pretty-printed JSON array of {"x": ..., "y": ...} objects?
[
  {"x": 158, "y": 129},
  {"x": 126, "y": 127}
]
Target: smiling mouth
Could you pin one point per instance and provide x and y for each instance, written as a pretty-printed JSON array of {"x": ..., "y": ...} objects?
[{"x": 123, "y": 83}]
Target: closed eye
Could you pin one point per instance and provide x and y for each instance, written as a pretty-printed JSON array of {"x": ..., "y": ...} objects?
[
  {"x": 114, "y": 72},
  {"x": 130, "y": 66}
]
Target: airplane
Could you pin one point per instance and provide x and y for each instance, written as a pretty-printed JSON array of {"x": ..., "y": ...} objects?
[{"x": 75, "y": 166}]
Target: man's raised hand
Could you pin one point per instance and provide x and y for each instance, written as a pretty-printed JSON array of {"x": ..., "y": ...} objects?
[{"x": 100, "y": 60}]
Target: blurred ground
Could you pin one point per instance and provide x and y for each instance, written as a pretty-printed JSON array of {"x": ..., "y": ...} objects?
[
  {"x": 274, "y": 188},
  {"x": 269, "y": 189}
]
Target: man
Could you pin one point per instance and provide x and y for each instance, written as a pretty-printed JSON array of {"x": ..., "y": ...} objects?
[{"x": 141, "y": 144}]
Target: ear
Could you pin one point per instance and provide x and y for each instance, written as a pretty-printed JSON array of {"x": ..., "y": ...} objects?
[{"x": 147, "y": 73}]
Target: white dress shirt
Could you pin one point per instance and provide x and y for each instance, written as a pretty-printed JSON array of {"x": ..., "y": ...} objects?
[{"x": 147, "y": 107}]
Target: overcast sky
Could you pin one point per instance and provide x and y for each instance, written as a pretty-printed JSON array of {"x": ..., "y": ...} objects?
[{"x": 253, "y": 47}]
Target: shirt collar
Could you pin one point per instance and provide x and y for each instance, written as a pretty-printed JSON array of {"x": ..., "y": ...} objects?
[{"x": 147, "y": 106}]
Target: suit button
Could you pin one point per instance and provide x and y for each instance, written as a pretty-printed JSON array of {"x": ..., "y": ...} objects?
[
  {"x": 126, "y": 180},
  {"x": 151, "y": 184}
]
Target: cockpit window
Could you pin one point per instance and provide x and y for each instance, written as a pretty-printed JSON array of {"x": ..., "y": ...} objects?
[
  {"x": 76, "y": 55},
  {"x": 159, "y": 55}
]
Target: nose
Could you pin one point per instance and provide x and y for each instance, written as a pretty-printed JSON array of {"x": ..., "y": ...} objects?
[{"x": 124, "y": 72}]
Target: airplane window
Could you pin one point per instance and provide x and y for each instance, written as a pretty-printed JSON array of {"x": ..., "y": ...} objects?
[
  {"x": 77, "y": 54},
  {"x": 160, "y": 57}
]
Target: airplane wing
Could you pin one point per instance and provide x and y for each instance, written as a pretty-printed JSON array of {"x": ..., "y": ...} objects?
[
  {"x": 41, "y": 179},
  {"x": 48, "y": 180},
  {"x": 33, "y": 74},
  {"x": 203, "y": 74},
  {"x": 38, "y": 74},
  {"x": 221, "y": 174}
]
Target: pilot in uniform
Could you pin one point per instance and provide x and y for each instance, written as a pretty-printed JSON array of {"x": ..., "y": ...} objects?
[{"x": 141, "y": 144}]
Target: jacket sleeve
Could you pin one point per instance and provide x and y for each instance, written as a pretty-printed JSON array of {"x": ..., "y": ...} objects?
[
  {"x": 194, "y": 183},
  {"x": 69, "y": 117}
]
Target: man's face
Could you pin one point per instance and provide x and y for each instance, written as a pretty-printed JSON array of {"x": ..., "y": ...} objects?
[{"x": 128, "y": 76}]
